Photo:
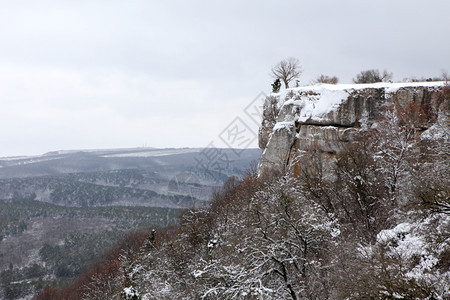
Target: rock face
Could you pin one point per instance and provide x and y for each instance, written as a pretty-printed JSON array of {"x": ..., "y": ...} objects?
[{"x": 327, "y": 116}]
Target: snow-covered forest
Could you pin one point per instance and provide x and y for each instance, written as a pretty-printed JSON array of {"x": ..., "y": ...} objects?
[{"x": 370, "y": 222}]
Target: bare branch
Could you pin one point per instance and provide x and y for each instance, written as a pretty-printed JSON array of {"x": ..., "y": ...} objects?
[{"x": 287, "y": 70}]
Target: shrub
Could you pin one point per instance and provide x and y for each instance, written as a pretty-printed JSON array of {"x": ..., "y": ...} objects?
[
  {"x": 326, "y": 79},
  {"x": 372, "y": 76}
]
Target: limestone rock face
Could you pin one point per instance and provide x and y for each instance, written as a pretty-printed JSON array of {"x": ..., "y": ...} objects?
[
  {"x": 327, "y": 116},
  {"x": 270, "y": 114},
  {"x": 330, "y": 139},
  {"x": 276, "y": 156}
]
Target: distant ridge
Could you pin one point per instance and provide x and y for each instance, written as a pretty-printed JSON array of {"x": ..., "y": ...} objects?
[{"x": 101, "y": 160}]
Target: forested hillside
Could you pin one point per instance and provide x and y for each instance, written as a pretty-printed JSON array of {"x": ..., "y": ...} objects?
[
  {"x": 370, "y": 222},
  {"x": 121, "y": 187},
  {"x": 141, "y": 176},
  {"x": 60, "y": 212},
  {"x": 42, "y": 244}
]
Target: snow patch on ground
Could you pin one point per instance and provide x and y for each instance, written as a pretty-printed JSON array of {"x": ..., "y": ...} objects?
[
  {"x": 390, "y": 87},
  {"x": 283, "y": 125},
  {"x": 316, "y": 106}
]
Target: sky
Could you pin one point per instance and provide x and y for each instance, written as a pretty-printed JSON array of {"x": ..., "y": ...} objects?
[{"x": 123, "y": 74}]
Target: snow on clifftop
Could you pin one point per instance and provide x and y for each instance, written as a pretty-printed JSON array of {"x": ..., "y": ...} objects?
[
  {"x": 390, "y": 87},
  {"x": 317, "y": 101}
]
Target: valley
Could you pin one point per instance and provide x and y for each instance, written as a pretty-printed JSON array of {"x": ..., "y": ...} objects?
[{"x": 61, "y": 211}]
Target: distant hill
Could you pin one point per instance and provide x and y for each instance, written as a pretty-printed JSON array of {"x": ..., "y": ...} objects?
[
  {"x": 61, "y": 210},
  {"x": 141, "y": 176}
]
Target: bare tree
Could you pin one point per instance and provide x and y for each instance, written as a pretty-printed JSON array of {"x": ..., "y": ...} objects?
[
  {"x": 326, "y": 79},
  {"x": 287, "y": 70},
  {"x": 372, "y": 76},
  {"x": 444, "y": 75}
]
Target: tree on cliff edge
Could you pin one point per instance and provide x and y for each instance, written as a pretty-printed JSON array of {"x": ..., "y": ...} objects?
[
  {"x": 372, "y": 76},
  {"x": 287, "y": 70}
]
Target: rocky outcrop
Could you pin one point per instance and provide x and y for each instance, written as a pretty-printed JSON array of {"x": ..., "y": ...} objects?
[{"x": 327, "y": 116}]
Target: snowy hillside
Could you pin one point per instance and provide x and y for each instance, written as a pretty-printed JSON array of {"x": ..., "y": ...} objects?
[{"x": 369, "y": 219}]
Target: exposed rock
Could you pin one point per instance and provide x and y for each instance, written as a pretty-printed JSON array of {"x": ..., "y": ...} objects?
[
  {"x": 280, "y": 141},
  {"x": 330, "y": 139},
  {"x": 327, "y": 116},
  {"x": 270, "y": 113}
]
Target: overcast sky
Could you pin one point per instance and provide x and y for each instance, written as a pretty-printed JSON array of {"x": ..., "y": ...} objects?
[{"x": 118, "y": 74}]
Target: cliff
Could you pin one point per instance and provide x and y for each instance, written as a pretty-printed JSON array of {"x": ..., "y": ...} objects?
[{"x": 328, "y": 115}]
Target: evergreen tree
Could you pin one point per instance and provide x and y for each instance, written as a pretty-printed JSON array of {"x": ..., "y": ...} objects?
[{"x": 276, "y": 85}]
